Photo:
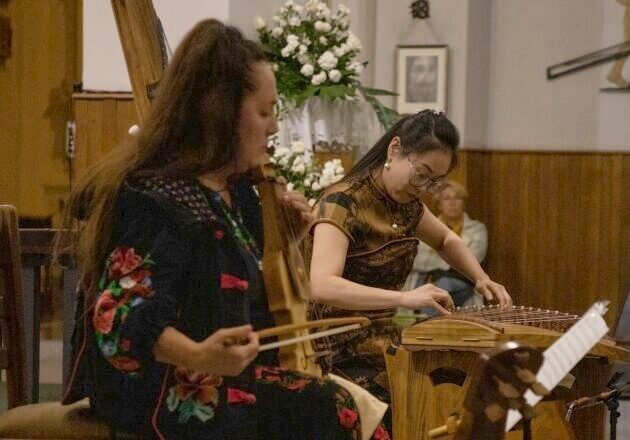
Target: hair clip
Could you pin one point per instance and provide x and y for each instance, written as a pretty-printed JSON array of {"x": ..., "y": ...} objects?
[{"x": 437, "y": 111}]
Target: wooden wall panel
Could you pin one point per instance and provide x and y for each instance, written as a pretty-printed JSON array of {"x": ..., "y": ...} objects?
[
  {"x": 555, "y": 221},
  {"x": 35, "y": 88},
  {"x": 103, "y": 122},
  {"x": 557, "y": 238}
]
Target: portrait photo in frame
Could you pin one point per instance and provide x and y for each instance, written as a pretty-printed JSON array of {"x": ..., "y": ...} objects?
[{"x": 421, "y": 73}]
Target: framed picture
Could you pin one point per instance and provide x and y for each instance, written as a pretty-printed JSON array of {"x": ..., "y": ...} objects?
[{"x": 421, "y": 78}]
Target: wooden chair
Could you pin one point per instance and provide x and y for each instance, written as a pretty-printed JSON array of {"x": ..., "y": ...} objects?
[{"x": 40, "y": 420}]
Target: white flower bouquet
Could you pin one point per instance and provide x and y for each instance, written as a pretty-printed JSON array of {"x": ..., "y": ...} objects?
[
  {"x": 314, "y": 54},
  {"x": 303, "y": 173}
]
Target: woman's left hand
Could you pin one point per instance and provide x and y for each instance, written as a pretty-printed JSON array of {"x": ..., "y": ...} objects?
[
  {"x": 493, "y": 291},
  {"x": 297, "y": 201}
]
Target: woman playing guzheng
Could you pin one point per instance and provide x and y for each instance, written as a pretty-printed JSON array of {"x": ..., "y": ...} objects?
[
  {"x": 169, "y": 252},
  {"x": 365, "y": 238}
]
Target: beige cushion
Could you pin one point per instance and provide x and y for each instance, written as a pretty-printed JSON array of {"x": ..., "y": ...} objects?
[{"x": 54, "y": 421}]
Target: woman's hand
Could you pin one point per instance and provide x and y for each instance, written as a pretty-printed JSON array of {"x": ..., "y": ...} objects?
[
  {"x": 428, "y": 295},
  {"x": 227, "y": 352},
  {"x": 493, "y": 291},
  {"x": 297, "y": 201}
]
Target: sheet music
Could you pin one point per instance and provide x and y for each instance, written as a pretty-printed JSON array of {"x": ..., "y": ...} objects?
[{"x": 565, "y": 353}]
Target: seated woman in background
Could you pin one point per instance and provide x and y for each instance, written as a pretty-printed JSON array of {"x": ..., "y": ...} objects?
[
  {"x": 366, "y": 235},
  {"x": 429, "y": 267}
]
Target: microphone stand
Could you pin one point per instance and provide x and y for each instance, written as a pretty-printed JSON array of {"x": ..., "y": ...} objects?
[{"x": 610, "y": 398}]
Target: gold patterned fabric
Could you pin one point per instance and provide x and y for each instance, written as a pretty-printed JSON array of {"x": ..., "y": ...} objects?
[{"x": 383, "y": 245}]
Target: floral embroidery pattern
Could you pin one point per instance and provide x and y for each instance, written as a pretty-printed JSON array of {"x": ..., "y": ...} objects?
[
  {"x": 231, "y": 282},
  {"x": 236, "y": 396},
  {"x": 124, "y": 285},
  {"x": 194, "y": 395},
  {"x": 288, "y": 379},
  {"x": 347, "y": 410}
]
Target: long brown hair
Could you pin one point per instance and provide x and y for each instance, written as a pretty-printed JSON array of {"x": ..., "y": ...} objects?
[{"x": 192, "y": 129}]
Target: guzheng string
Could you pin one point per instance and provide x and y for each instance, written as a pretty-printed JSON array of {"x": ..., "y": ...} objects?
[{"x": 517, "y": 315}]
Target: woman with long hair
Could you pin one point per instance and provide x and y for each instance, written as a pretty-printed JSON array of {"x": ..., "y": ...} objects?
[
  {"x": 169, "y": 251},
  {"x": 366, "y": 235}
]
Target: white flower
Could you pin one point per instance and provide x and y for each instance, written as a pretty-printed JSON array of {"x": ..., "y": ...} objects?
[
  {"x": 311, "y": 6},
  {"x": 277, "y": 31},
  {"x": 275, "y": 67},
  {"x": 293, "y": 40},
  {"x": 322, "y": 26},
  {"x": 260, "y": 23},
  {"x": 324, "y": 13},
  {"x": 334, "y": 75},
  {"x": 281, "y": 152},
  {"x": 316, "y": 186},
  {"x": 289, "y": 3},
  {"x": 354, "y": 43},
  {"x": 298, "y": 8},
  {"x": 339, "y": 51},
  {"x": 286, "y": 51},
  {"x": 290, "y": 186},
  {"x": 318, "y": 79},
  {"x": 298, "y": 168},
  {"x": 307, "y": 70},
  {"x": 336, "y": 178},
  {"x": 343, "y": 10},
  {"x": 307, "y": 182},
  {"x": 298, "y": 147},
  {"x": 295, "y": 21},
  {"x": 327, "y": 60},
  {"x": 356, "y": 67},
  {"x": 302, "y": 49},
  {"x": 303, "y": 58},
  {"x": 306, "y": 42},
  {"x": 127, "y": 282},
  {"x": 276, "y": 18},
  {"x": 324, "y": 181},
  {"x": 311, "y": 202},
  {"x": 323, "y": 40},
  {"x": 328, "y": 172}
]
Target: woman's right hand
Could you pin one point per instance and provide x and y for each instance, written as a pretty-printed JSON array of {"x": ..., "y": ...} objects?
[
  {"x": 227, "y": 352},
  {"x": 428, "y": 295}
]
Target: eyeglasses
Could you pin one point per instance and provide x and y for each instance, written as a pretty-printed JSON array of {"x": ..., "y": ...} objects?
[{"x": 419, "y": 180}]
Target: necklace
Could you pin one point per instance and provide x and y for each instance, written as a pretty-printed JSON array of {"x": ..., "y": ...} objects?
[
  {"x": 390, "y": 204},
  {"x": 239, "y": 230}
]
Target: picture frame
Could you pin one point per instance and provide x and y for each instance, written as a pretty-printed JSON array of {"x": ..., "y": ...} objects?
[{"x": 422, "y": 73}]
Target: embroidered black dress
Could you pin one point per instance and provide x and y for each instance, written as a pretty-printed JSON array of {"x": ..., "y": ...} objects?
[{"x": 180, "y": 257}]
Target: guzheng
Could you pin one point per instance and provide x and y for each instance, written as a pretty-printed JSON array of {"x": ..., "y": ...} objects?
[{"x": 429, "y": 373}]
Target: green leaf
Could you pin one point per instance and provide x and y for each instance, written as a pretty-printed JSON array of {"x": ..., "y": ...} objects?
[
  {"x": 386, "y": 116},
  {"x": 376, "y": 92},
  {"x": 337, "y": 91},
  {"x": 186, "y": 410},
  {"x": 172, "y": 401},
  {"x": 204, "y": 412}
]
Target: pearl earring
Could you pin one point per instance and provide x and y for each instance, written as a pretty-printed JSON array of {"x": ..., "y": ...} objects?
[{"x": 387, "y": 164}]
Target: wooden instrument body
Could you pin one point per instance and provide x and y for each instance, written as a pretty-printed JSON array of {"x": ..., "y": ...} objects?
[
  {"x": 429, "y": 376},
  {"x": 285, "y": 277}
]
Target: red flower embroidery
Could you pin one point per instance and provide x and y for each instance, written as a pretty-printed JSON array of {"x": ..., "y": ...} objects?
[
  {"x": 347, "y": 418},
  {"x": 235, "y": 396},
  {"x": 123, "y": 261},
  {"x": 231, "y": 282},
  {"x": 201, "y": 386},
  {"x": 381, "y": 433},
  {"x": 139, "y": 275},
  {"x": 219, "y": 234},
  {"x": 124, "y": 363},
  {"x": 104, "y": 313}
]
